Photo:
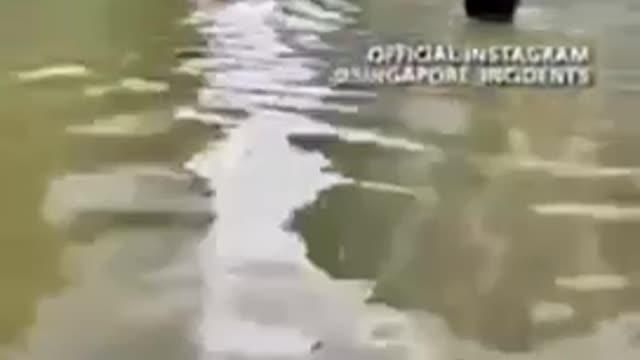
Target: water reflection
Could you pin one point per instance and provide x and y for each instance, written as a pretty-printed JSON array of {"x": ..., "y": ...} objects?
[
  {"x": 259, "y": 283},
  {"x": 484, "y": 257},
  {"x": 450, "y": 227}
]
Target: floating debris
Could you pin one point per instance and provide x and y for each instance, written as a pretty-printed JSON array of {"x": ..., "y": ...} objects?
[
  {"x": 590, "y": 283},
  {"x": 59, "y": 71},
  {"x": 547, "y": 312}
]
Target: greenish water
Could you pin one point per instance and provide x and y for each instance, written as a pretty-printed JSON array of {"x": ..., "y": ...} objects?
[
  {"x": 390, "y": 223},
  {"x": 65, "y": 186}
]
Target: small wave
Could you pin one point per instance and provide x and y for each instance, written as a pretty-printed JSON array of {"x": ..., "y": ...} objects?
[
  {"x": 602, "y": 212},
  {"x": 54, "y": 71},
  {"x": 591, "y": 283}
]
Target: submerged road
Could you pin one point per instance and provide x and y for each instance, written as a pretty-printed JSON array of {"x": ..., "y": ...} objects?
[
  {"x": 311, "y": 222},
  {"x": 263, "y": 297}
]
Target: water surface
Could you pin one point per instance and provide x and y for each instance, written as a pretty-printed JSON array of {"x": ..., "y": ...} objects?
[{"x": 349, "y": 223}]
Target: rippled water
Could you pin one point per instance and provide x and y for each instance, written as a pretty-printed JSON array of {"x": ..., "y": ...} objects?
[
  {"x": 422, "y": 223},
  {"x": 100, "y": 224}
]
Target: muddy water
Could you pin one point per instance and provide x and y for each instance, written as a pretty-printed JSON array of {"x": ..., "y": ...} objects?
[
  {"x": 349, "y": 224},
  {"x": 100, "y": 222},
  {"x": 473, "y": 223}
]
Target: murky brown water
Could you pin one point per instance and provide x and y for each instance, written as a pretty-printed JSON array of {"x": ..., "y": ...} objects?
[
  {"x": 100, "y": 224},
  {"x": 384, "y": 223}
]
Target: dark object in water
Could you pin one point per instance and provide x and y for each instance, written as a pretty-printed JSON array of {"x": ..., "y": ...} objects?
[
  {"x": 491, "y": 10},
  {"x": 317, "y": 346}
]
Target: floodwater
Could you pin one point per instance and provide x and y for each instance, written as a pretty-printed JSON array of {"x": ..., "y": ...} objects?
[{"x": 181, "y": 182}]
